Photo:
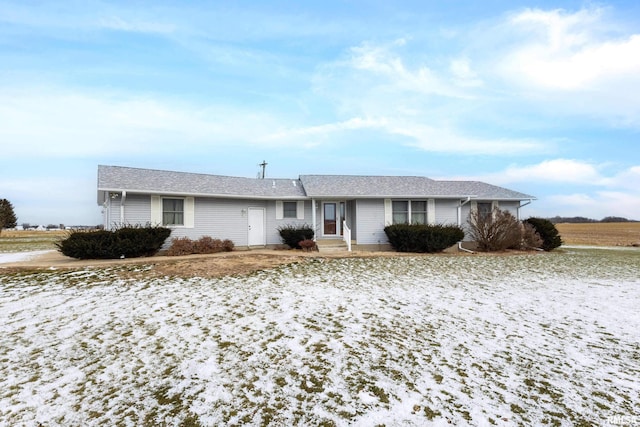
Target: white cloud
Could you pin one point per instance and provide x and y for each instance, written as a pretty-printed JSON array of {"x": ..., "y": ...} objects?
[
  {"x": 567, "y": 171},
  {"x": 595, "y": 205},
  {"x": 556, "y": 170},
  {"x": 137, "y": 26},
  {"x": 56, "y": 123},
  {"x": 463, "y": 73},
  {"x": 444, "y": 140},
  {"x": 566, "y": 51}
]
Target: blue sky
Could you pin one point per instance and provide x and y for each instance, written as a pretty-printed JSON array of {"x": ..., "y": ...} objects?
[{"x": 540, "y": 97}]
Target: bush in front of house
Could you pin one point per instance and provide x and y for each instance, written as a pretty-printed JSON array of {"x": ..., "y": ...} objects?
[
  {"x": 548, "y": 232},
  {"x": 308, "y": 245},
  {"x": 495, "y": 231},
  {"x": 204, "y": 245},
  {"x": 292, "y": 235},
  {"x": 124, "y": 242},
  {"x": 423, "y": 238}
]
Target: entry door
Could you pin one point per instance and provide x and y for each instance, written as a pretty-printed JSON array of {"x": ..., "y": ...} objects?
[
  {"x": 256, "y": 227},
  {"x": 330, "y": 221}
]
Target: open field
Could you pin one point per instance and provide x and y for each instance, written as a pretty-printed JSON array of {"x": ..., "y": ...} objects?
[
  {"x": 600, "y": 234},
  {"x": 18, "y": 241},
  {"x": 540, "y": 339}
]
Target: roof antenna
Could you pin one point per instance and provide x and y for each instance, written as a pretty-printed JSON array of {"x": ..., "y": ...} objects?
[{"x": 263, "y": 165}]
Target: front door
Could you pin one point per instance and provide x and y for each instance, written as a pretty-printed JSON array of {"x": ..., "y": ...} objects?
[
  {"x": 256, "y": 227},
  {"x": 330, "y": 219}
]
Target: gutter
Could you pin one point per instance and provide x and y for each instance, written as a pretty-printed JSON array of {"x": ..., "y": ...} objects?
[
  {"x": 521, "y": 206},
  {"x": 459, "y": 208},
  {"x": 122, "y": 200}
]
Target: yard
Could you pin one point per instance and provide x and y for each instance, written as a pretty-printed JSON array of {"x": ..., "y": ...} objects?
[{"x": 539, "y": 339}]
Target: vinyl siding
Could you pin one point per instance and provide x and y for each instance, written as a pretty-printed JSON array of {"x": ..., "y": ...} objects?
[
  {"x": 137, "y": 209},
  {"x": 466, "y": 210},
  {"x": 370, "y": 214},
  {"x": 512, "y": 207},
  {"x": 447, "y": 211},
  {"x": 273, "y": 237}
]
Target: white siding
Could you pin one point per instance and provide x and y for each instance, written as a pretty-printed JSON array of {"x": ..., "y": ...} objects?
[
  {"x": 371, "y": 222},
  {"x": 137, "y": 209},
  {"x": 273, "y": 223},
  {"x": 447, "y": 211},
  {"x": 512, "y": 207}
]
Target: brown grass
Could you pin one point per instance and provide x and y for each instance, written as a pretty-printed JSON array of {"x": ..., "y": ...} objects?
[
  {"x": 600, "y": 234},
  {"x": 13, "y": 234}
]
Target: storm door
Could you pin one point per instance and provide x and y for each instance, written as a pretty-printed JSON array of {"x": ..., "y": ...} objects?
[{"x": 330, "y": 219}]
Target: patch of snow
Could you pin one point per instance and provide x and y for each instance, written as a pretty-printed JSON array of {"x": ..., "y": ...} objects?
[
  {"x": 9, "y": 257},
  {"x": 484, "y": 340}
]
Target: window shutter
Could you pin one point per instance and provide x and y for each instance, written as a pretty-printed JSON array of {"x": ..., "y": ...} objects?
[
  {"x": 300, "y": 209},
  {"x": 388, "y": 212},
  {"x": 431, "y": 211},
  {"x": 474, "y": 206},
  {"x": 156, "y": 210},
  {"x": 495, "y": 205},
  {"x": 279, "y": 210},
  {"x": 189, "y": 212}
]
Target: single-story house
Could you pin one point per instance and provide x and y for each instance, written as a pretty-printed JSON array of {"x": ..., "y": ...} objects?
[{"x": 249, "y": 211}]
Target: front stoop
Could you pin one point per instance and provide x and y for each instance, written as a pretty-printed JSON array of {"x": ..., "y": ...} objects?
[{"x": 331, "y": 245}]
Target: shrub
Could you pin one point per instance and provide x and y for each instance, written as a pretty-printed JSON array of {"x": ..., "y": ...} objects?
[
  {"x": 307, "y": 245},
  {"x": 292, "y": 235},
  {"x": 495, "y": 232},
  {"x": 181, "y": 246},
  {"x": 127, "y": 242},
  {"x": 204, "y": 245},
  {"x": 530, "y": 237},
  {"x": 548, "y": 232},
  {"x": 423, "y": 238}
]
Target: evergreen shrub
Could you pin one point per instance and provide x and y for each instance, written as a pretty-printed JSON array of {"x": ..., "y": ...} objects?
[
  {"x": 548, "y": 232},
  {"x": 292, "y": 235},
  {"x": 423, "y": 238},
  {"x": 124, "y": 242}
]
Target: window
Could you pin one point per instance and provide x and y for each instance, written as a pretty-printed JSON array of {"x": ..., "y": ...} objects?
[
  {"x": 419, "y": 212},
  {"x": 484, "y": 209},
  {"x": 172, "y": 212},
  {"x": 289, "y": 209},
  {"x": 400, "y": 212},
  {"x": 409, "y": 212}
]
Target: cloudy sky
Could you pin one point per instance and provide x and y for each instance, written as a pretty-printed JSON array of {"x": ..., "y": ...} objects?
[{"x": 540, "y": 97}]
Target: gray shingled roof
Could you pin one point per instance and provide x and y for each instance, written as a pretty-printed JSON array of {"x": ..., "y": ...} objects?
[
  {"x": 402, "y": 186},
  {"x": 134, "y": 180}
]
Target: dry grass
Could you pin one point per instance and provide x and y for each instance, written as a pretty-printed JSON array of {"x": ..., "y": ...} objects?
[
  {"x": 600, "y": 234},
  {"x": 18, "y": 241}
]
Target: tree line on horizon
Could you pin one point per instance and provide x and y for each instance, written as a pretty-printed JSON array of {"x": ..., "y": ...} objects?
[{"x": 581, "y": 219}]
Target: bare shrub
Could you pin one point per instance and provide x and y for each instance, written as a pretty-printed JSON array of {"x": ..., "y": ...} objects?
[
  {"x": 181, "y": 246},
  {"x": 207, "y": 245},
  {"x": 530, "y": 237},
  {"x": 204, "y": 245},
  {"x": 496, "y": 231},
  {"x": 307, "y": 245}
]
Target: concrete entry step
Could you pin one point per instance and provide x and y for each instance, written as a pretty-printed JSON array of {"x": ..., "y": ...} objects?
[{"x": 331, "y": 245}]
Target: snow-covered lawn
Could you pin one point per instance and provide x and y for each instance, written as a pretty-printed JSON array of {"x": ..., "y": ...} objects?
[
  {"x": 545, "y": 339},
  {"x": 7, "y": 257}
]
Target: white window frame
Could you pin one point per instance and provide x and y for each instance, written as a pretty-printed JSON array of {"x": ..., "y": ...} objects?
[
  {"x": 188, "y": 207},
  {"x": 299, "y": 209},
  {"x": 292, "y": 212},
  {"x": 173, "y": 213},
  {"x": 429, "y": 211}
]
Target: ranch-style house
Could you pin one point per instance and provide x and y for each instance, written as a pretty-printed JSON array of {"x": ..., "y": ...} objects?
[{"x": 249, "y": 211}]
